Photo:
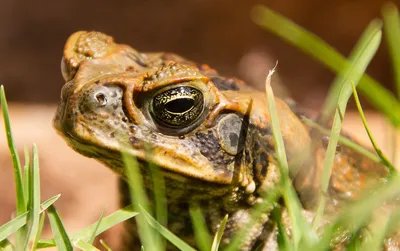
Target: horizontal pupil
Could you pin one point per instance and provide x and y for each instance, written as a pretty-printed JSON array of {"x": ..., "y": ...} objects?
[{"x": 180, "y": 105}]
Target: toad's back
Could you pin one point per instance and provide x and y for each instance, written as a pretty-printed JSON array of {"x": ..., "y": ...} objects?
[{"x": 210, "y": 135}]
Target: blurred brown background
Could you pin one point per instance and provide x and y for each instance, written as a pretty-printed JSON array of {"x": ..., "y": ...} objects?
[{"x": 217, "y": 32}]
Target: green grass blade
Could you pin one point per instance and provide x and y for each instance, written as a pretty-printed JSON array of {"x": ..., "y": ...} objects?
[
  {"x": 343, "y": 140},
  {"x": 40, "y": 229},
  {"x": 159, "y": 195},
  {"x": 19, "y": 189},
  {"x": 148, "y": 237},
  {"x": 284, "y": 242},
  {"x": 219, "y": 234},
  {"x": 383, "y": 157},
  {"x": 85, "y": 246},
  {"x": 21, "y": 205},
  {"x": 26, "y": 175},
  {"x": 360, "y": 58},
  {"x": 105, "y": 245},
  {"x": 391, "y": 23},
  {"x": 378, "y": 231},
  {"x": 6, "y": 245},
  {"x": 60, "y": 235},
  {"x": 394, "y": 222},
  {"x": 175, "y": 240},
  {"x": 266, "y": 205},
  {"x": 201, "y": 233},
  {"x": 34, "y": 200},
  {"x": 13, "y": 225},
  {"x": 94, "y": 234},
  {"x": 301, "y": 229},
  {"x": 357, "y": 214},
  {"x": 107, "y": 222},
  {"x": 327, "y": 55}
]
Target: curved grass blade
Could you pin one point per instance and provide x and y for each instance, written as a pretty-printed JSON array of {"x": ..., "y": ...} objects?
[
  {"x": 343, "y": 140},
  {"x": 34, "y": 201},
  {"x": 94, "y": 234},
  {"x": 218, "y": 234},
  {"x": 19, "y": 189},
  {"x": 85, "y": 246},
  {"x": 201, "y": 233},
  {"x": 383, "y": 157},
  {"x": 391, "y": 22},
  {"x": 13, "y": 225},
  {"x": 107, "y": 222},
  {"x": 105, "y": 245},
  {"x": 360, "y": 58},
  {"x": 21, "y": 205},
  {"x": 378, "y": 96},
  {"x": 301, "y": 229},
  {"x": 165, "y": 232},
  {"x": 60, "y": 235}
]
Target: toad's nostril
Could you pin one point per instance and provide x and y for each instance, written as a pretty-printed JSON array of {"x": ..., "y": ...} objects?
[{"x": 101, "y": 99}]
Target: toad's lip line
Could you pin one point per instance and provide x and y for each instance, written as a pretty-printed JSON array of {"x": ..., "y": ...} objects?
[{"x": 171, "y": 174}]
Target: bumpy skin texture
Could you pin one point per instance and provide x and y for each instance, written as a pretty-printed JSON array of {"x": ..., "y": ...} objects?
[{"x": 210, "y": 135}]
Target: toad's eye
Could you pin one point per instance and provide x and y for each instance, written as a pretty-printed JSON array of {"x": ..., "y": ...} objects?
[{"x": 177, "y": 107}]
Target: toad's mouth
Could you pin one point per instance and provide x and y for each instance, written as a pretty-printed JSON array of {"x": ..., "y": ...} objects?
[{"x": 176, "y": 184}]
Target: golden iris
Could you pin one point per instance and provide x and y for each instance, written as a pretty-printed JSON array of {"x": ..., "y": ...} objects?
[{"x": 177, "y": 107}]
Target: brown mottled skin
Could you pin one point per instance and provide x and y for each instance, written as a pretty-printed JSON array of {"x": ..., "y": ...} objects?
[{"x": 222, "y": 157}]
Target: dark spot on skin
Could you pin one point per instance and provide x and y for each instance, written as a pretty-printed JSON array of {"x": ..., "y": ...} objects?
[
  {"x": 247, "y": 156},
  {"x": 125, "y": 119},
  {"x": 264, "y": 163},
  {"x": 112, "y": 135},
  {"x": 234, "y": 139},
  {"x": 224, "y": 84},
  {"x": 130, "y": 68},
  {"x": 132, "y": 129},
  {"x": 114, "y": 94},
  {"x": 135, "y": 142},
  {"x": 97, "y": 82}
]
